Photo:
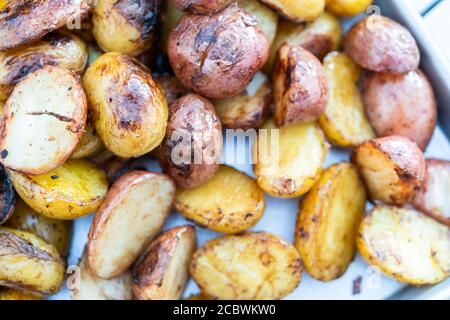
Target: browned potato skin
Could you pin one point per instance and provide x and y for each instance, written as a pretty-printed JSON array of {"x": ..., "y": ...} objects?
[
  {"x": 25, "y": 21},
  {"x": 195, "y": 116},
  {"x": 401, "y": 104},
  {"x": 173, "y": 89},
  {"x": 382, "y": 45},
  {"x": 299, "y": 86},
  {"x": 218, "y": 55},
  {"x": 202, "y": 6}
]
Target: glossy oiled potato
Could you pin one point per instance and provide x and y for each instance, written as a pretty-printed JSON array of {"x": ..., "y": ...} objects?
[
  {"x": 206, "y": 7},
  {"x": 347, "y": 8},
  {"x": 248, "y": 266},
  {"x": 297, "y": 10},
  {"x": 230, "y": 202},
  {"x": 7, "y": 196},
  {"x": 129, "y": 110},
  {"x": 406, "y": 245},
  {"x": 70, "y": 191},
  {"x": 88, "y": 145},
  {"x": 328, "y": 222},
  {"x": 218, "y": 55},
  {"x": 344, "y": 121}
]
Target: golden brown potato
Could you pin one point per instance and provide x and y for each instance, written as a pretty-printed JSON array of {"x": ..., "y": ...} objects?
[
  {"x": 248, "y": 266},
  {"x": 172, "y": 88},
  {"x": 300, "y": 89},
  {"x": 392, "y": 167},
  {"x": 289, "y": 160},
  {"x": 406, "y": 245},
  {"x": 129, "y": 110},
  {"x": 132, "y": 214},
  {"x": 346, "y": 8},
  {"x": 192, "y": 149},
  {"x": 230, "y": 202},
  {"x": 29, "y": 263},
  {"x": 344, "y": 121},
  {"x": 297, "y": 10},
  {"x": 432, "y": 196},
  {"x": 163, "y": 270},
  {"x": 206, "y": 7},
  {"x": 402, "y": 105},
  {"x": 89, "y": 144},
  {"x": 328, "y": 222},
  {"x": 70, "y": 191},
  {"x": 380, "y": 44},
  {"x": 13, "y": 294},
  {"x": 218, "y": 55},
  {"x": 26, "y": 21},
  {"x": 7, "y": 196}
]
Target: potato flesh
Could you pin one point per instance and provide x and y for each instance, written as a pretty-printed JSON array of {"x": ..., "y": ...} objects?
[{"x": 298, "y": 10}]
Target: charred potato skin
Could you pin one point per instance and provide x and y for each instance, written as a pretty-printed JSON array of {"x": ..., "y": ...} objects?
[
  {"x": 298, "y": 10},
  {"x": 204, "y": 7},
  {"x": 7, "y": 196},
  {"x": 347, "y": 8}
]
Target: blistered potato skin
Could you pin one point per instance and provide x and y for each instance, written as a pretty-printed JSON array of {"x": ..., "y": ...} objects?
[
  {"x": 218, "y": 55},
  {"x": 202, "y": 6},
  {"x": 346, "y": 8},
  {"x": 298, "y": 10},
  {"x": 129, "y": 110}
]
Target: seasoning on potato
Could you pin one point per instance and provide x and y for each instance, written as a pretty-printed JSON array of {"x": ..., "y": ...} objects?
[
  {"x": 172, "y": 88},
  {"x": 163, "y": 270},
  {"x": 297, "y": 10},
  {"x": 347, "y": 8},
  {"x": 129, "y": 110},
  {"x": 68, "y": 192},
  {"x": 257, "y": 266},
  {"x": 43, "y": 121},
  {"x": 391, "y": 167},
  {"x": 131, "y": 215},
  {"x": 218, "y": 55},
  {"x": 328, "y": 222},
  {"x": 206, "y": 7},
  {"x": 406, "y": 245},
  {"x": 7, "y": 196},
  {"x": 230, "y": 202}
]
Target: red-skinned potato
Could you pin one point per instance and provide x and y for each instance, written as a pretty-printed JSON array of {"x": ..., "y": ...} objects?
[{"x": 202, "y": 6}]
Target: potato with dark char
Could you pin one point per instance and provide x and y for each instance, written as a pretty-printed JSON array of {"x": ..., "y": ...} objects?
[
  {"x": 297, "y": 10},
  {"x": 218, "y": 55},
  {"x": 7, "y": 196},
  {"x": 346, "y": 8},
  {"x": 172, "y": 88},
  {"x": 43, "y": 121},
  {"x": 26, "y": 21},
  {"x": 162, "y": 272},
  {"x": 192, "y": 148},
  {"x": 128, "y": 108},
  {"x": 391, "y": 167},
  {"x": 300, "y": 88},
  {"x": 206, "y": 7},
  {"x": 401, "y": 104},
  {"x": 380, "y": 44}
]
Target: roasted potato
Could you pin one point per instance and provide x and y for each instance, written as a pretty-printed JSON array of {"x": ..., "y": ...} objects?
[
  {"x": 256, "y": 266},
  {"x": 288, "y": 161},
  {"x": 344, "y": 121},
  {"x": 163, "y": 270},
  {"x": 328, "y": 222},
  {"x": 297, "y": 10},
  {"x": 250, "y": 108},
  {"x": 7, "y": 196},
  {"x": 406, "y": 245},
  {"x": 70, "y": 191},
  {"x": 88, "y": 145},
  {"x": 13, "y": 294},
  {"x": 172, "y": 88},
  {"x": 206, "y": 7},
  {"x": 192, "y": 149},
  {"x": 129, "y": 110},
  {"x": 43, "y": 121},
  {"x": 29, "y": 263},
  {"x": 218, "y": 55},
  {"x": 401, "y": 104},
  {"x": 380, "y": 44},
  {"x": 300, "y": 89},
  {"x": 392, "y": 167},
  {"x": 230, "y": 202},
  {"x": 346, "y": 8},
  {"x": 130, "y": 217}
]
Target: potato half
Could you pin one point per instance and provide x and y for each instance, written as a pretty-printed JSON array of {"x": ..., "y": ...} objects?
[
  {"x": 328, "y": 222},
  {"x": 406, "y": 245},
  {"x": 248, "y": 266},
  {"x": 297, "y": 10},
  {"x": 7, "y": 196},
  {"x": 346, "y": 8}
]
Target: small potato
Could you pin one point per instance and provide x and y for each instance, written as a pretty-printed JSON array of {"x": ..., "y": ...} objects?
[
  {"x": 218, "y": 55},
  {"x": 300, "y": 88},
  {"x": 406, "y": 245},
  {"x": 129, "y": 110},
  {"x": 163, "y": 270},
  {"x": 297, "y": 10},
  {"x": 29, "y": 263},
  {"x": 26, "y": 21},
  {"x": 328, "y": 222},
  {"x": 89, "y": 144},
  {"x": 13, "y": 294},
  {"x": 68, "y": 192},
  {"x": 380, "y": 44},
  {"x": 347, "y": 8},
  {"x": 192, "y": 148},
  {"x": 172, "y": 88},
  {"x": 230, "y": 202},
  {"x": 289, "y": 160},
  {"x": 206, "y": 7},
  {"x": 344, "y": 121},
  {"x": 43, "y": 121},
  {"x": 248, "y": 266},
  {"x": 392, "y": 167},
  {"x": 402, "y": 105},
  {"x": 432, "y": 197},
  {"x": 7, "y": 196},
  {"x": 250, "y": 108},
  {"x": 132, "y": 214}
]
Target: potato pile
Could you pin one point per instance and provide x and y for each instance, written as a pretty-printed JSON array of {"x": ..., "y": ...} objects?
[{"x": 83, "y": 111}]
